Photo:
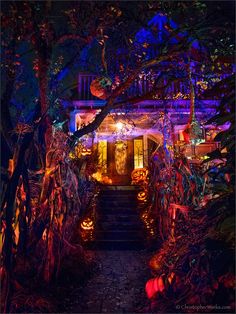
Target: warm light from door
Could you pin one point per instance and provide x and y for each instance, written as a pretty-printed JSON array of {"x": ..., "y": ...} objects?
[{"x": 138, "y": 153}]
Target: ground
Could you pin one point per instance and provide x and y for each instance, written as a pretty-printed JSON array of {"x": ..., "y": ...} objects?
[{"x": 117, "y": 285}]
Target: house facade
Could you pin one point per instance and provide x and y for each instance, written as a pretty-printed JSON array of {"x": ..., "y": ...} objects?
[{"x": 128, "y": 136}]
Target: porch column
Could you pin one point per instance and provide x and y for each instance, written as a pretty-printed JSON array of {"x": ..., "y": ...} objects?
[{"x": 72, "y": 127}]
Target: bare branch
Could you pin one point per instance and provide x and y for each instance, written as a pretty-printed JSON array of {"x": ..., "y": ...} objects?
[{"x": 65, "y": 37}]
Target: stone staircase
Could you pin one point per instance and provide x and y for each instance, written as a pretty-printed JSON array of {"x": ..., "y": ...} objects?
[{"x": 119, "y": 226}]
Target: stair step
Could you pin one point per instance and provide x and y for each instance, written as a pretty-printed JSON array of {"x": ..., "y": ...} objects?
[
  {"x": 118, "y": 193},
  {"x": 117, "y": 202},
  {"x": 124, "y": 215},
  {"x": 115, "y": 245},
  {"x": 120, "y": 226},
  {"x": 118, "y": 210},
  {"x": 119, "y": 218},
  {"x": 120, "y": 188},
  {"x": 119, "y": 235}
]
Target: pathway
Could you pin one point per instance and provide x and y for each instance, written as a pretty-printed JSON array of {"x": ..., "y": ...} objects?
[{"x": 117, "y": 285}]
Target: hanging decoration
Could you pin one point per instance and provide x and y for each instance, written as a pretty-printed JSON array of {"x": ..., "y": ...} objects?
[
  {"x": 193, "y": 133},
  {"x": 121, "y": 157},
  {"x": 101, "y": 87},
  {"x": 124, "y": 127}
]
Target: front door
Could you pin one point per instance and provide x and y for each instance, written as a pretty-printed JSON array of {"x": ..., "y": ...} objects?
[{"x": 120, "y": 161}]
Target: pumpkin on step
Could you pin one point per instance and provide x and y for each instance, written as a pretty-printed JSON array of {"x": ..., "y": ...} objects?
[{"x": 142, "y": 196}]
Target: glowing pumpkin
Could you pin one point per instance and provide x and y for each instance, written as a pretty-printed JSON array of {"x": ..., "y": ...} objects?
[
  {"x": 87, "y": 224},
  {"x": 142, "y": 196},
  {"x": 153, "y": 286},
  {"x": 154, "y": 263},
  {"x": 139, "y": 176},
  {"x": 86, "y": 151},
  {"x": 100, "y": 87}
]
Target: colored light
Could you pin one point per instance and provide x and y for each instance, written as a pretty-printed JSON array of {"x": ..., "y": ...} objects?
[{"x": 119, "y": 125}]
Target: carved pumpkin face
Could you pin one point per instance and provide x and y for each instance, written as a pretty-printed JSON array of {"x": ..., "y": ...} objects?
[
  {"x": 142, "y": 196},
  {"x": 87, "y": 224},
  {"x": 139, "y": 175},
  {"x": 86, "y": 151}
]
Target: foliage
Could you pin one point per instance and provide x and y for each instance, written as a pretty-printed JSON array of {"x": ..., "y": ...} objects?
[{"x": 197, "y": 264}]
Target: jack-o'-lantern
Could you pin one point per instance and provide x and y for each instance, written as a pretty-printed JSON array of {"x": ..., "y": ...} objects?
[
  {"x": 139, "y": 176},
  {"x": 87, "y": 224},
  {"x": 100, "y": 87},
  {"x": 86, "y": 151},
  {"x": 142, "y": 196}
]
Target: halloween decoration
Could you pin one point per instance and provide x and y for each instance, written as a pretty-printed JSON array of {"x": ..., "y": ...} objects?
[
  {"x": 139, "y": 176},
  {"x": 101, "y": 87},
  {"x": 142, "y": 196},
  {"x": 87, "y": 224},
  {"x": 193, "y": 132},
  {"x": 121, "y": 157}
]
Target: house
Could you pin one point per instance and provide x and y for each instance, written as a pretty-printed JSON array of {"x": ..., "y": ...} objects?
[{"x": 128, "y": 136}]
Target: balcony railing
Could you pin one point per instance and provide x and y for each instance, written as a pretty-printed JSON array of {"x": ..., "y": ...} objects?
[{"x": 141, "y": 86}]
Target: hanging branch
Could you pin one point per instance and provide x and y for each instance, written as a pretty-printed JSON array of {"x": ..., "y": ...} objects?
[{"x": 103, "y": 43}]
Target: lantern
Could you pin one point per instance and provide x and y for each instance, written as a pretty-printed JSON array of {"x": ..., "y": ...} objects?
[
  {"x": 100, "y": 87},
  {"x": 87, "y": 224}
]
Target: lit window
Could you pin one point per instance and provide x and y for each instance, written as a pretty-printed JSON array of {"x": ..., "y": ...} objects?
[
  {"x": 138, "y": 153},
  {"x": 102, "y": 156}
]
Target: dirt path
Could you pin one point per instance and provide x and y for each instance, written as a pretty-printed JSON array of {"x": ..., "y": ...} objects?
[{"x": 118, "y": 285}]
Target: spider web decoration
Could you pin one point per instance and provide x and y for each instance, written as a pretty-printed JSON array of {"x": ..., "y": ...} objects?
[{"x": 125, "y": 127}]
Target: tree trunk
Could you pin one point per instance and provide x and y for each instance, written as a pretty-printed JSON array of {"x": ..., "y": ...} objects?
[
  {"x": 8, "y": 207},
  {"x": 43, "y": 86}
]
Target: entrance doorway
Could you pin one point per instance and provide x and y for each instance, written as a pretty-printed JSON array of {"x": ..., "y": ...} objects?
[
  {"x": 120, "y": 162},
  {"x": 119, "y": 158}
]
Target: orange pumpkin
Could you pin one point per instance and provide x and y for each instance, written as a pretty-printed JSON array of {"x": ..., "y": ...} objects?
[
  {"x": 142, "y": 195},
  {"x": 87, "y": 224},
  {"x": 154, "y": 263},
  {"x": 100, "y": 87}
]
